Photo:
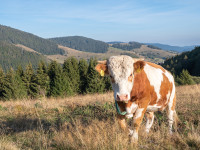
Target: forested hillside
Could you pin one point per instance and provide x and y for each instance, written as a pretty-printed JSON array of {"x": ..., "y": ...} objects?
[
  {"x": 82, "y": 44},
  {"x": 127, "y": 46},
  {"x": 188, "y": 60},
  {"x": 12, "y": 56},
  {"x": 52, "y": 80},
  {"x": 36, "y": 43}
]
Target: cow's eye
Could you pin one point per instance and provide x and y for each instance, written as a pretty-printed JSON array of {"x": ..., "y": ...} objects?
[
  {"x": 112, "y": 79},
  {"x": 130, "y": 78}
]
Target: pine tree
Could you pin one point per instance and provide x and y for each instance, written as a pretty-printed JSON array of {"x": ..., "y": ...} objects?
[
  {"x": 13, "y": 86},
  {"x": 185, "y": 78},
  {"x": 42, "y": 79},
  {"x": 95, "y": 82},
  {"x": 70, "y": 69},
  {"x": 30, "y": 81},
  {"x": 20, "y": 71},
  {"x": 83, "y": 69},
  {"x": 59, "y": 82},
  {"x": 2, "y": 81}
]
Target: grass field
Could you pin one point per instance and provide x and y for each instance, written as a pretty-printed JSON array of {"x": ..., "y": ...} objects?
[{"x": 89, "y": 122}]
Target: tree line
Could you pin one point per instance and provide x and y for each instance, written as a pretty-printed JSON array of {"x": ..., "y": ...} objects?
[
  {"x": 185, "y": 67},
  {"x": 82, "y": 43},
  {"x": 52, "y": 80}
]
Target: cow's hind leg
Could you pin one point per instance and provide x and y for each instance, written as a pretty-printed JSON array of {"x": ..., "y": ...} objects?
[
  {"x": 150, "y": 119},
  {"x": 171, "y": 113}
]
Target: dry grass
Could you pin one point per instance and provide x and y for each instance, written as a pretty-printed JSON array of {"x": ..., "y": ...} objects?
[{"x": 89, "y": 122}]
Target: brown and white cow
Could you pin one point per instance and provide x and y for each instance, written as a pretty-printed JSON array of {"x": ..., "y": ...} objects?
[{"x": 139, "y": 87}]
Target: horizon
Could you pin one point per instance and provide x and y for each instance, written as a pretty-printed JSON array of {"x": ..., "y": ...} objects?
[{"x": 167, "y": 22}]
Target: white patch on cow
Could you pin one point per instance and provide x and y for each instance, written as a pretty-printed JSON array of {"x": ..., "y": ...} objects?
[
  {"x": 153, "y": 108},
  {"x": 134, "y": 137},
  {"x": 138, "y": 113},
  {"x": 120, "y": 68},
  {"x": 168, "y": 97},
  {"x": 169, "y": 76},
  {"x": 129, "y": 116},
  {"x": 130, "y": 132},
  {"x": 155, "y": 76},
  {"x": 132, "y": 108}
]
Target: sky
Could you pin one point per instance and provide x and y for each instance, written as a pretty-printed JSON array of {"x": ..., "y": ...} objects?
[{"x": 174, "y": 22}]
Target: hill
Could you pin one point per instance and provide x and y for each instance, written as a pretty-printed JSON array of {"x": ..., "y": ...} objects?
[
  {"x": 187, "y": 60},
  {"x": 12, "y": 56},
  {"x": 150, "y": 53},
  {"x": 69, "y": 52},
  {"x": 172, "y": 48},
  {"x": 34, "y": 42},
  {"x": 127, "y": 46},
  {"x": 82, "y": 44}
]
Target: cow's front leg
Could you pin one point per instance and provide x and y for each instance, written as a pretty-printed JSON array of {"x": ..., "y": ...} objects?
[
  {"x": 137, "y": 120},
  {"x": 122, "y": 122}
]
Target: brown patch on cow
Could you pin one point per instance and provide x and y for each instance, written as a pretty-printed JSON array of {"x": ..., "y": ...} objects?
[
  {"x": 138, "y": 66},
  {"x": 165, "y": 88},
  {"x": 174, "y": 103},
  {"x": 103, "y": 67},
  {"x": 156, "y": 66},
  {"x": 153, "y": 99}
]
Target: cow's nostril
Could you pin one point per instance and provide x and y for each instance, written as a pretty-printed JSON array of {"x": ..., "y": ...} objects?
[{"x": 118, "y": 98}]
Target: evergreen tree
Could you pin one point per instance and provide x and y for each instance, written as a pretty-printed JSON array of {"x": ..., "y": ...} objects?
[
  {"x": 2, "y": 81},
  {"x": 185, "y": 78},
  {"x": 95, "y": 82},
  {"x": 20, "y": 71},
  {"x": 107, "y": 82},
  {"x": 13, "y": 86},
  {"x": 30, "y": 81},
  {"x": 42, "y": 79},
  {"x": 83, "y": 69},
  {"x": 59, "y": 82},
  {"x": 70, "y": 69}
]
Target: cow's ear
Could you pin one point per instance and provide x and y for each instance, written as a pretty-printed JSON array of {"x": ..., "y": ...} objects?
[
  {"x": 102, "y": 68},
  {"x": 138, "y": 66}
]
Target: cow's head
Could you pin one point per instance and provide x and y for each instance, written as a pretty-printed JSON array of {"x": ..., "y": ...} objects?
[{"x": 120, "y": 69}]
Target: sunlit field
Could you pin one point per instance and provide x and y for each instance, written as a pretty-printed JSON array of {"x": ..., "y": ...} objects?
[{"x": 89, "y": 122}]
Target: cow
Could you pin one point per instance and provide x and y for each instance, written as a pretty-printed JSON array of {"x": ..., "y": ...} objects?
[{"x": 140, "y": 88}]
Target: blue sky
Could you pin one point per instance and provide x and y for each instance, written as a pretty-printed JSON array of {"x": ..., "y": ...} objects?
[{"x": 175, "y": 22}]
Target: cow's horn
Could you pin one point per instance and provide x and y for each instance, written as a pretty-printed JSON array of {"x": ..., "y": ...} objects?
[{"x": 102, "y": 62}]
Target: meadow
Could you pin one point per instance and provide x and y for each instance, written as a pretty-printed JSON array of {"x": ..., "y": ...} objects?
[{"x": 89, "y": 122}]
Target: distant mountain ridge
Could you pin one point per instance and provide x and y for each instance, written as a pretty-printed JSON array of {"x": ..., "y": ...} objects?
[
  {"x": 82, "y": 43},
  {"x": 172, "y": 48}
]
